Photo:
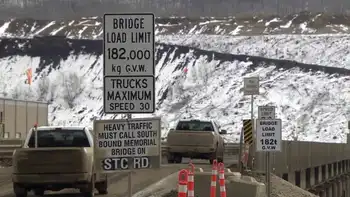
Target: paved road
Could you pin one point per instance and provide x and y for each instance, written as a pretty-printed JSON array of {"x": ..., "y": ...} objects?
[{"x": 118, "y": 181}]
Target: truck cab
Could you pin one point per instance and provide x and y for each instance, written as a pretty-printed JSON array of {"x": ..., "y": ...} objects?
[
  {"x": 197, "y": 139},
  {"x": 55, "y": 158}
]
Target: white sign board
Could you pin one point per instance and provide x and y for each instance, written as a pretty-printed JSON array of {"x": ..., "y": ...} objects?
[
  {"x": 266, "y": 112},
  {"x": 127, "y": 144},
  {"x": 251, "y": 86},
  {"x": 129, "y": 94},
  {"x": 268, "y": 135},
  {"x": 129, "y": 54}
]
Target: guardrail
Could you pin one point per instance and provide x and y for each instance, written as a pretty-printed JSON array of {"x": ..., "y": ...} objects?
[{"x": 8, "y": 146}]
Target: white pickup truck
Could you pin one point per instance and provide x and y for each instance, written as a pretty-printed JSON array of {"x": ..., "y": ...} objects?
[
  {"x": 63, "y": 157},
  {"x": 197, "y": 139}
]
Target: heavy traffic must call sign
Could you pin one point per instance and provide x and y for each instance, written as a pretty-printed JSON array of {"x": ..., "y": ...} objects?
[{"x": 127, "y": 144}]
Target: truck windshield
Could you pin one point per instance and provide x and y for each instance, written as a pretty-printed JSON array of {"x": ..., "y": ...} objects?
[
  {"x": 60, "y": 138},
  {"x": 194, "y": 126}
]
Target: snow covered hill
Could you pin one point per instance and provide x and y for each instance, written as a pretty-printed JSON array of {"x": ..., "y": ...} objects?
[
  {"x": 312, "y": 100},
  {"x": 91, "y": 28},
  {"x": 328, "y": 50}
]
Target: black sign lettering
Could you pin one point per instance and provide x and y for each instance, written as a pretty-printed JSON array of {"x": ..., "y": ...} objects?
[
  {"x": 126, "y": 163},
  {"x": 128, "y": 23},
  {"x": 130, "y": 95}
]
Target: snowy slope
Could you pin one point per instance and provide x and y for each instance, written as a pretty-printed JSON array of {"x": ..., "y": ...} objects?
[
  {"x": 325, "y": 49},
  {"x": 91, "y": 28},
  {"x": 328, "y": 50},
  {"x": 312, "y": 104}
]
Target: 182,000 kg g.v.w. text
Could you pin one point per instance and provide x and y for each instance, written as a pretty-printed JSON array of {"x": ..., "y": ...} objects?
[{"x": 122, "y": 54}]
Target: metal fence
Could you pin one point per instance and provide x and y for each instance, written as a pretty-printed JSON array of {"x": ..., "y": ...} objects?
[{"x": 56, "y": 9}]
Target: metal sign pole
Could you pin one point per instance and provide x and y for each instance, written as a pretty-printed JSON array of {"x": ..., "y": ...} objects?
[
  {"x": 36, "y": 136},
  {"x": 129, "y": 116},
  {"x": 254, "y": 136},
  {"x": 251, "y": 87},
  {"x": 268, "y": 174},
  {"x": 240, "y": 164},
  {"x": 267, "y": 113}
]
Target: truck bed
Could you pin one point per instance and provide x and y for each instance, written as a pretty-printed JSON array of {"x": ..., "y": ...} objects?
[{"x": 59, "y": 160}]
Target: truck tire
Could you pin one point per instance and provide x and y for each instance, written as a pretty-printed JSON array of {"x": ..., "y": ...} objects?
[
  {"x": 178, "y": 158},
  {"x": 214, "y": 155},
  {"x": 170, "y": 158},
  {"x": 19, "y": 191},
  {"x": 39, "y": 192},
  {"x": 102, "y": 187},
  {"x": 221, "y": 159},
  {"x": 89, "y": 190}
]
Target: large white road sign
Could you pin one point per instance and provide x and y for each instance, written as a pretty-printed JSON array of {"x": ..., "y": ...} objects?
[
  {"x": 268, "y": 135},
  {"x": 128, "y": 44},
  {"x": 127, "y": 144},
  {"x": 129, "y": 52}
]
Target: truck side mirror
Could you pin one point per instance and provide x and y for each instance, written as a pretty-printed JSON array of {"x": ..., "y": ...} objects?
[{"x": 223, "y": 132}]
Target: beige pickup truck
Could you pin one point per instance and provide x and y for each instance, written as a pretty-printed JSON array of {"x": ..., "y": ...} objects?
[
  {"x": 61, "y": 157},
  {"x": 196, "y": 139}
]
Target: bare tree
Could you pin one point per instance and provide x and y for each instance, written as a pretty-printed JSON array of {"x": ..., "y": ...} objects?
[
  {"x": 3, "y": 86},
  {"x": 43, "y": 88},
  {"x": 73, "y": 86},
  {"x": 193, "y": 73},
  {"x": 52, "y": 92},
  {"x": 17, "y": 92}
]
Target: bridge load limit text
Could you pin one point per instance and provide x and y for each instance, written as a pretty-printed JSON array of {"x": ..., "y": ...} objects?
[{"x": 128, "y": 139}]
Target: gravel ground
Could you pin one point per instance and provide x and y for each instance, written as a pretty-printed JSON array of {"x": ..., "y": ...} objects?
[
  {"x": 173, "y": 193},
  {"x": 282, "y": 188}
]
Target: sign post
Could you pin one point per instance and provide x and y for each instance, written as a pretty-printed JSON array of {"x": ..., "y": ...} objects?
[
  {"x": 268, "y": 139},
  {"x": 267, "y": 112},
  {"x": 251, "y": 87},
  {"x": 128, "y": 65}
]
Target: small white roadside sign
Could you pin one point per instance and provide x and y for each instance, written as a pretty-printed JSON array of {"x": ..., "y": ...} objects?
[
  {"x": 128, "y": 63},
  {"x": 251, "y": 86},
  {"x": 127, "y": 144},
  {"x": 266, "y": 112},
  {"x": 268, "y": 135}
]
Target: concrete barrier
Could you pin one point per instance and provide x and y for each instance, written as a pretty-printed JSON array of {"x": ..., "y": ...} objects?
[{"x": 236, "y": 185}]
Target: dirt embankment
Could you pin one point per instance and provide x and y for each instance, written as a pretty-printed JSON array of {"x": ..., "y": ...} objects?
[{"x": 91, "y": 28}]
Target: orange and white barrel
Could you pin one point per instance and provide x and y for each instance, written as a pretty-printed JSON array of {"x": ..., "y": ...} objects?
[
  {"x": 221, "y": 169},
  {"x": 214, "y": 174},
  {"x": 190, "y": 185},
  {"x": 182, "y": 183}
]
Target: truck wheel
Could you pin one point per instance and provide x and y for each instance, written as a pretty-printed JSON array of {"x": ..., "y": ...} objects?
[
  {"x": 170, "y": 158},
  {"x": 178, "y": 159},
  {"x": 221, "y": 160},
  {"x": 19, "y": 191},
  {"x": 102, "y": 187},
  {"x": 89, "y": 191},
  {"x": 39, "y": 192},
  {"x": 213, "y": 156}
]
